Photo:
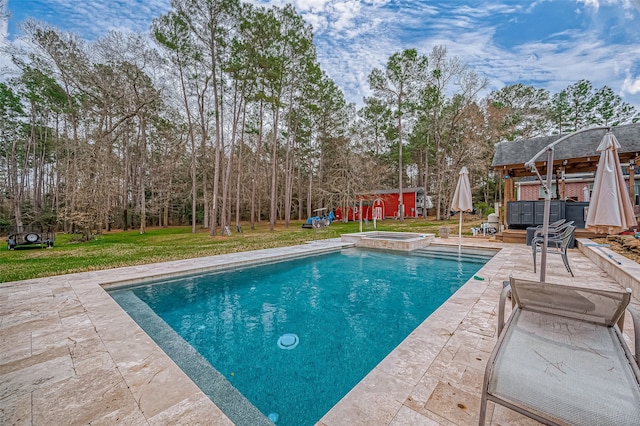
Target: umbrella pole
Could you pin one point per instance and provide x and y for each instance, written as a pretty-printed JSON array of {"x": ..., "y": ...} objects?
[
  {"x": 460, "y": 233},
  {"x": 545, "y": 219},
  {"x": 547, "y": 201}
]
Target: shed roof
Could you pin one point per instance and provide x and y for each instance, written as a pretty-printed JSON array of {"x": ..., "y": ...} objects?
[
  {"x": 393, "y": 191},
  {"x": 579, "y": 150}
]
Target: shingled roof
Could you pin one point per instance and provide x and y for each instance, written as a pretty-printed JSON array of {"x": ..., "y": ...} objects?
[{"x": 579, "y": 151}]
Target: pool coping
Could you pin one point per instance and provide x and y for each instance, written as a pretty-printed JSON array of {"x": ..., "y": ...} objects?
[
  {"x": 213, "y": 383},
  {"x": 71, "y": 355}
]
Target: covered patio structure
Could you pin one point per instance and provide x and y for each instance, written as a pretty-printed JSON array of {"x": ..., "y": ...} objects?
[{"x": 576, "y": 154}]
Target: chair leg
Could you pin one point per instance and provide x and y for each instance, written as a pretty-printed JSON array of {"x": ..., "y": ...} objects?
[
  {"x": 534, "y": 258},
  {"x": 565, "y": 259},
  {"x": 483, "y": 409}
]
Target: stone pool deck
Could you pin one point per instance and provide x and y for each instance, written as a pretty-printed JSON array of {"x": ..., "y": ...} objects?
[{"x": 70, "y": 355}]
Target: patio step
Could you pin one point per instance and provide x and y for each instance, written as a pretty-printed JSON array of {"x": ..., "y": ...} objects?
[
  {"x": 466, "y": 254},
  {"x": 519, "y": 236}
]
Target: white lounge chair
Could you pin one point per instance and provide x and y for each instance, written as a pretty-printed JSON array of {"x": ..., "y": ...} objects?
[{"x": 561, "y": 358}]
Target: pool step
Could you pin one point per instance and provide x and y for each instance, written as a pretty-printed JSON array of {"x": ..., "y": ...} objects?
[{"x": 451, "y": 252}]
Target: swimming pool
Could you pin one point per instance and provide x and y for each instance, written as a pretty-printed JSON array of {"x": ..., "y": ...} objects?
[{"x": 293, "y": 337}]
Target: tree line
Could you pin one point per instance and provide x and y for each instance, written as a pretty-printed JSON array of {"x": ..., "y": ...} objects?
[{"x": 223, "y": 114}]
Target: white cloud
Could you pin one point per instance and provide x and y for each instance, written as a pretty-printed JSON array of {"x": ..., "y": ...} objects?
[
  {"x": 351, "y": 54},
  {"x": 592, "y": 3},
  {"x": 344, "y": 13},
  {"x": 93, "y": 18},
  {"x": 626, "y": 4},
  {"x": 377, "y": 2},
  {"x": 315, "y": 6},
  {"x": 4, "y": 19},
  {"x": 354, "y": 36},
  {"x": 631, "y": 85},
  {"x": 317, "y": 21},
  {"x": 4, "y": 33},
  {"x": 487, "y": 10}
]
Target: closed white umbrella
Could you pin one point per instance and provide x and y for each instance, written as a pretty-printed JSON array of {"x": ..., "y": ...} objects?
[
  {"x": 610, "y": 208},
  {"x": 546, "y": 184},
  {"x": 462, "y": 200}
]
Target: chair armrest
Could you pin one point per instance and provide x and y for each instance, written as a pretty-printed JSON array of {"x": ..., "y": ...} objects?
[
  {"x": 551, "y": 242},
  {"x": 539, "y": 235},
  {"x": 636, "y": 331},
  {"x": 553, "y": 230},
  {"x": 503, "y": 297}
]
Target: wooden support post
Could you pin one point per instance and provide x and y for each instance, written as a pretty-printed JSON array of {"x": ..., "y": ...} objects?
[
  {"x": 632, "y": 182},
  {"x": 508, "y": 196}
]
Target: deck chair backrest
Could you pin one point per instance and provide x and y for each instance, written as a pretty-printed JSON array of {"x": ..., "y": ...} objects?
[
  {"x": 602, "y": 307},
  {"x": 567, "y": 236},
  {"x": 555, "y": 232},
  {"x": 561, "y": 229},
  {"x": 552, "y": 225}
]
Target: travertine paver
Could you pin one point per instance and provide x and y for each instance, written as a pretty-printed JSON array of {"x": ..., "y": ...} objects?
[
  {"x": 456, "y": 342},
  {"x": 70, "y": 355}
]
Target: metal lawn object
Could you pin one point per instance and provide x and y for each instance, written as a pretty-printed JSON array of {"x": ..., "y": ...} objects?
[{"x": 33, "y": 235}]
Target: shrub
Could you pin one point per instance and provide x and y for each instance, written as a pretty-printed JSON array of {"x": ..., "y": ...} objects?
[{"x": 484, "y": 209}]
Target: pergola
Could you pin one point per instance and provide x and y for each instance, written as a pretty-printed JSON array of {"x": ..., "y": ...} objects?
[{"x": 576, "y": 154}]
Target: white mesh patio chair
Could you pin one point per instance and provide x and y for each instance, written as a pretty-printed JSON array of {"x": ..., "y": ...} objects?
[
  {"x": 561, "y": 358},
  {"x": 554, "y": 228},
  {"x": 557, "y": 244}
]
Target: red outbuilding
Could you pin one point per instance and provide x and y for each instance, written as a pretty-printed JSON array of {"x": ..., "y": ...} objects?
[{"x": 384, "y": 203}]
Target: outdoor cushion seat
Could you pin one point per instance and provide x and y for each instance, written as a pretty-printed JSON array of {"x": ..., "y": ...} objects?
[{"x": 561, "y": 358}]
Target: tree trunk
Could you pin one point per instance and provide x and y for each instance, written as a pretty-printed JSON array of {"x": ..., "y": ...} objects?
[
  {"x": 219, "y": 119},
  {"x": 400, "y": 166},
  {"x": 240, "y": 168},
  {"x": 166, "y": 206},
  {"x": 310, "y": 191},
  {"x": 141, "y": 174},
  {"x": 256, "y": 169},
  {"x": 300, "y": 206},
  {"x": 274, "y": 170},
  {"x": 226, "y": 185}
]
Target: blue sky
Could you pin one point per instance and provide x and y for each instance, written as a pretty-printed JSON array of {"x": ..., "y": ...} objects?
[{"x": 546, "y": 43}]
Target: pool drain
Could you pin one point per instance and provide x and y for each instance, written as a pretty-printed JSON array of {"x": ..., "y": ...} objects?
[
  {"x": 274, "y": 417},
  {"x": 288, "y": 341}
]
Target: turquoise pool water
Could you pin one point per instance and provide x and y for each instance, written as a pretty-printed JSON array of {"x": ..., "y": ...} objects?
[{"x": 294, "y": 337}]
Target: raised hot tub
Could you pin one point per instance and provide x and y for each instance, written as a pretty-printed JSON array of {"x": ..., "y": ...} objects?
[{"x": 405, "y": 241}]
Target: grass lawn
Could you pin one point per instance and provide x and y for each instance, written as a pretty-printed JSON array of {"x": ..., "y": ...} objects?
[{"x": 118, "y": 248}]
